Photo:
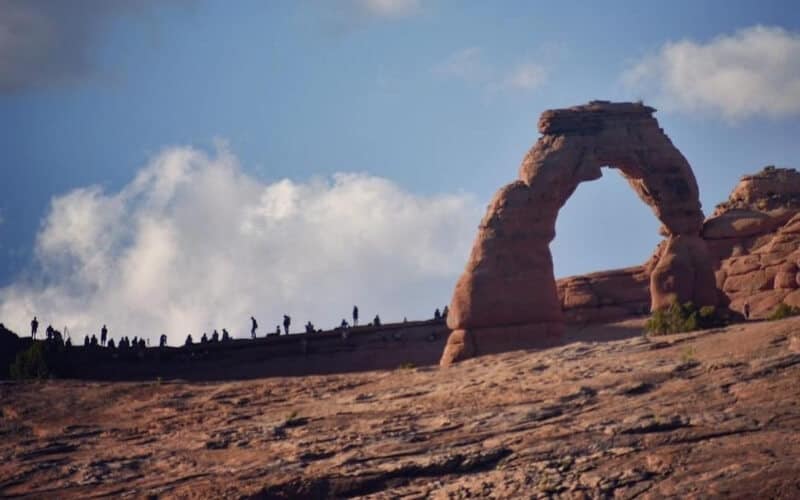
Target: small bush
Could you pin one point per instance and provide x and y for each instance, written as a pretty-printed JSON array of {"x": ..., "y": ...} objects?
[
  {"x": 687, "y": 355},
  {"x": 679, "y": 318},
  {"x": 31, "y": 363},
  {"x": 784, "y": 311},
  {"x": 406, "y": 366}
]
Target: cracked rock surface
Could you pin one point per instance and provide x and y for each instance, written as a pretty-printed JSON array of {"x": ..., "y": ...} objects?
[{"x": 610, "y": 415}]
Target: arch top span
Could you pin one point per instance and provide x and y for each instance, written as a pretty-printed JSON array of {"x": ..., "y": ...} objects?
[
  {"x": 506, "y": 298},
  {"x": 576, "y": 142}
]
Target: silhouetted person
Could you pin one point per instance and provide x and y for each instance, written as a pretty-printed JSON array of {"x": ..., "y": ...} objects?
[
  {"x": 34, "y": 327},
  {"x": 68, "y": 344},
  {"x": 309, "y": 327},
  {"x": 215, "y": 336},
  {"x": 437, "y": 315},
  {"x": 253, "y": 327},
  {"x": 225, "y": 335},
  {"x": 103, "y": 335},
  {"x": 94, "y": 341},
  {"x": 162, "y": 342},
  {"x": 344, "y": 324},
  {"x": 135, "y": 342},
  {"x": 49, "y": 332},
  {"x": 355, "y": 315},
  {"x": 746, "y": 310},
  {"x": 204, "y": 338},
  {"x": 142, "y": 344},
  {"x": 189, "y": 340},
  {"x": 277, "y": 329},
  {"x": 286, "y": 322},
  {"x": 86, "y": 341},
  {"x": 445, "y": 312},
  {"x": 377, "y": 320},
  {"x": 110, "y": 344}
]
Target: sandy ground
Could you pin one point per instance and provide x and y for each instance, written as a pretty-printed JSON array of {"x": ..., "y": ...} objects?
[{"x": 708, "y": 414}]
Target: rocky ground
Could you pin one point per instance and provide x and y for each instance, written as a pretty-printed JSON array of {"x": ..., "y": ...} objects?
[{"x": 712, "y": 413}]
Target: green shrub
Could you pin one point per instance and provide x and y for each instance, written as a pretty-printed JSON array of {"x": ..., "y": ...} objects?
[
  {"x": 784, "y": 311},
  {"x": 678, "y": 318},
  {"x": 31, "y": 363},
  {"x": 687, "y": 355}
]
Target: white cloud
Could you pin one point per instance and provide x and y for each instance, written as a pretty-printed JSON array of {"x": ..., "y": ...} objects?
[
  {"x": 470, "y": 66},
  {"x": 755, "y": 71},
  {"x": 193, "y": 243},
  {"x": 389, "y": 8}
]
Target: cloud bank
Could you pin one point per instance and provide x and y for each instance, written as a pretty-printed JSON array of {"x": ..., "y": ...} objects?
[
  {"x": 755, "y": 71},
  {"x": 193, "y": 243}
]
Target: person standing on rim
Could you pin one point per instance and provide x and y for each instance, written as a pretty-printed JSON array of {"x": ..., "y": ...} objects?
[
  {"x": 286, "y": 322},
  {"x": 254, "y": 327},
  {"x": 355, "y": 315},
  {"x": 34, "y": 327},
  {"x": 103, "y": 335}
]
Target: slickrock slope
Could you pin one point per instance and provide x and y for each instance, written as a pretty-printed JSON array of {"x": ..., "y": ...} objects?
[
  {"x": 507, "y": 297},
  {"x": 713, "y": 413}
]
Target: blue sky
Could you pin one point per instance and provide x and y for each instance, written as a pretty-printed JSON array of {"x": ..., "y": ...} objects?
[{"x": 439, "y": 99}]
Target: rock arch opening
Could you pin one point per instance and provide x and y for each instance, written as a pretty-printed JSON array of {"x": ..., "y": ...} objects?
[
  {"x": 603, "y": 225},
  {"x": 506, "y": 298}
]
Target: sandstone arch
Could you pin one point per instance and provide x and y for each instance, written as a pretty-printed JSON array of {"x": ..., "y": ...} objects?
[{"x": 506, "y": 298}]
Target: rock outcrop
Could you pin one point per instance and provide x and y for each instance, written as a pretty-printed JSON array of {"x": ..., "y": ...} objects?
[
  {"x": 507, "y": 297},
  {"x": 753, "y": 239}
]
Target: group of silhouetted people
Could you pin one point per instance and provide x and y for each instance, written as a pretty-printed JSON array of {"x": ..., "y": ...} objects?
[
  {"x": 53, "y": 335},
  {"x": 205, "y": 339},
  {"x": 56, "y": 337}
]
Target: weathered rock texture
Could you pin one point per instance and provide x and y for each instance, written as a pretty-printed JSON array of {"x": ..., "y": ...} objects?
[
  {"x": 753, "y": 239},
  {"x": 710, "y": 414},
  {"x": 507, "y": 296}
]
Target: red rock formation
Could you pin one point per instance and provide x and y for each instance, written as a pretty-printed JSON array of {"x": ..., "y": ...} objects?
[
  {"x": 507, "y": 297},
  {"x": 754, "y": 242},
  {"x": 755, "y": 239}
]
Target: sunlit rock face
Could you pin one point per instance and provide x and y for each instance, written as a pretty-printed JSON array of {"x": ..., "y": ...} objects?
[
  {"x": 507, "y": 297},
  {"x": 754, "y": 238}
]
